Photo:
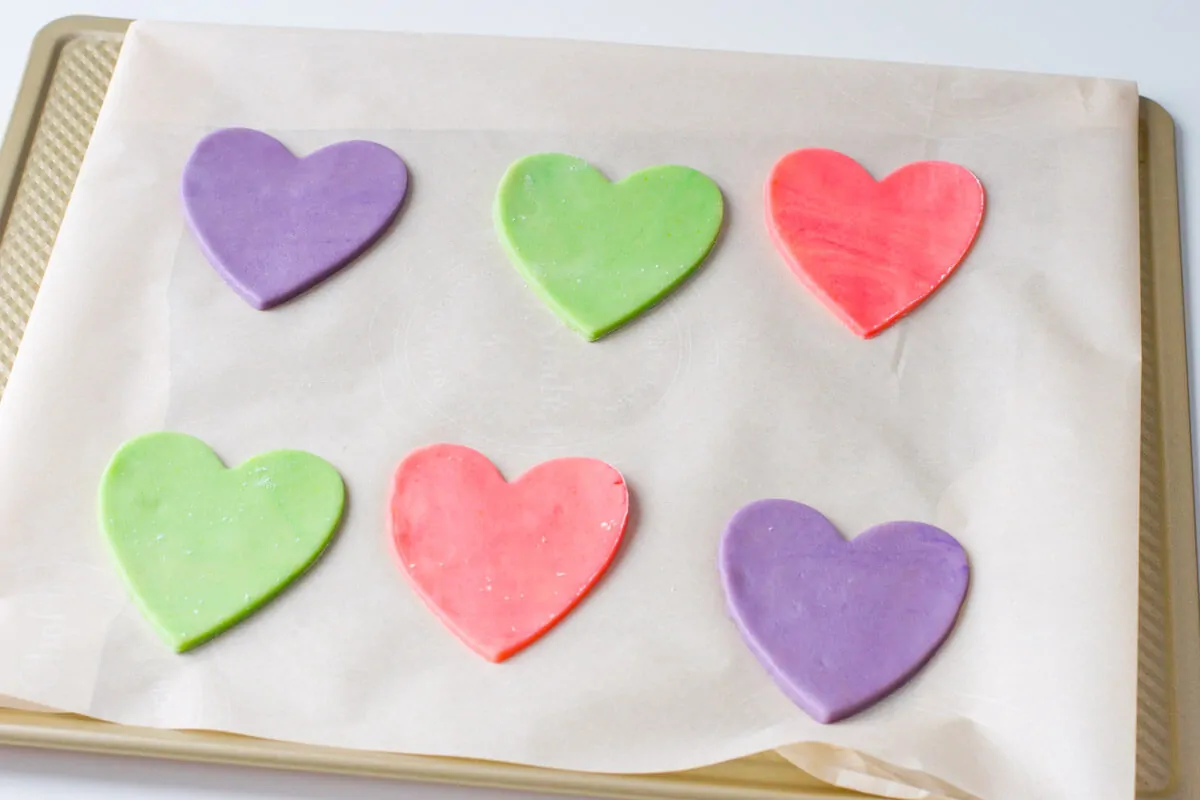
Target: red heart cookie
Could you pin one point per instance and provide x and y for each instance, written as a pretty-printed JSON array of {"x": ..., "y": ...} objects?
[
  {"x": 501, "y": 563},
  {"x": 871, "y": 250}
]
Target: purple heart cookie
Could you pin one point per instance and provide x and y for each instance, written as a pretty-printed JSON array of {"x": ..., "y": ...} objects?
[
  {"x": 839, "y": 624},
  {"x": 274, "y": 225}
]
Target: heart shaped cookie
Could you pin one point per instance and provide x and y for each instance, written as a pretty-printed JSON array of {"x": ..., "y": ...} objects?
[
  {"x": 200, "y": 546},
  {"x": 871, "y": 251},
  {"x": 274, "y": 225},
  {"x": 600, "y": 253},
  {"x": 501, "y": 563},
  {"x": 839, "y": 624}
]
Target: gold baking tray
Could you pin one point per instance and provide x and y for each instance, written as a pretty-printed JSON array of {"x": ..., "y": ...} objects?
[{"x": 69, "y": 69}]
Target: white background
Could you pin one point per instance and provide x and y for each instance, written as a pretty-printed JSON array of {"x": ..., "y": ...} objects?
[{"x": 1151, "y": 41}]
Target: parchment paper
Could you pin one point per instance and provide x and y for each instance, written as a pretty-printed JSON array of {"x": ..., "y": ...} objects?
[{"x": 1004, "y": 410}]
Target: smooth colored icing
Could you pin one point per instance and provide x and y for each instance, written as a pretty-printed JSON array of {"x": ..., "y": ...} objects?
[
  {"x": 839, "y": 624},
  {"x": 501, "y": 563},
  {"x": 274, "y": 225},
  {"x": 200, "y": 546},
  {"x": 600, "y": 253},
  {"x": 871, "y": 251}
]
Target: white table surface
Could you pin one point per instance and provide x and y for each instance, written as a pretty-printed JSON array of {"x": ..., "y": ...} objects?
[{"x": 1151, "y": 41}]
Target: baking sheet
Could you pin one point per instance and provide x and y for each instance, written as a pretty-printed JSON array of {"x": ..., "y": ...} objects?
[{"x": 70, "y": 65}]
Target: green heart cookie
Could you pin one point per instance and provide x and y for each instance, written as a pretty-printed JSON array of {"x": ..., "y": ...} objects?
[
  {"x": 200, "y": 546},
  {"x": 600, "y": 253}
]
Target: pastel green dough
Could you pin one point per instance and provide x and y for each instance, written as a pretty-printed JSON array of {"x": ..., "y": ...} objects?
[
  {"x": 202, "y": 547},
  {"x": 600, "y": 253}
]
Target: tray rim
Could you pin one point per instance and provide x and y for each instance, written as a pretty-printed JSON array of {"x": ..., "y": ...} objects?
[
  {"x": 57, "y": 731},
  {"x": 1161, "y": 196},
  {"x": 31, "y": 95}
]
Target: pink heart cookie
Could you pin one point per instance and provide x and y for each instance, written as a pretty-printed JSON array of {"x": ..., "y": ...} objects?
[
  {"x": 871, "y": 250},
  {"x": 501, "y": 563}
]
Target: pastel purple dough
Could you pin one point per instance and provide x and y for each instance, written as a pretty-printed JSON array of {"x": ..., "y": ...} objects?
[
  {"x": 274, "y": 225},
  {"x": 839, "y": 624}
]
